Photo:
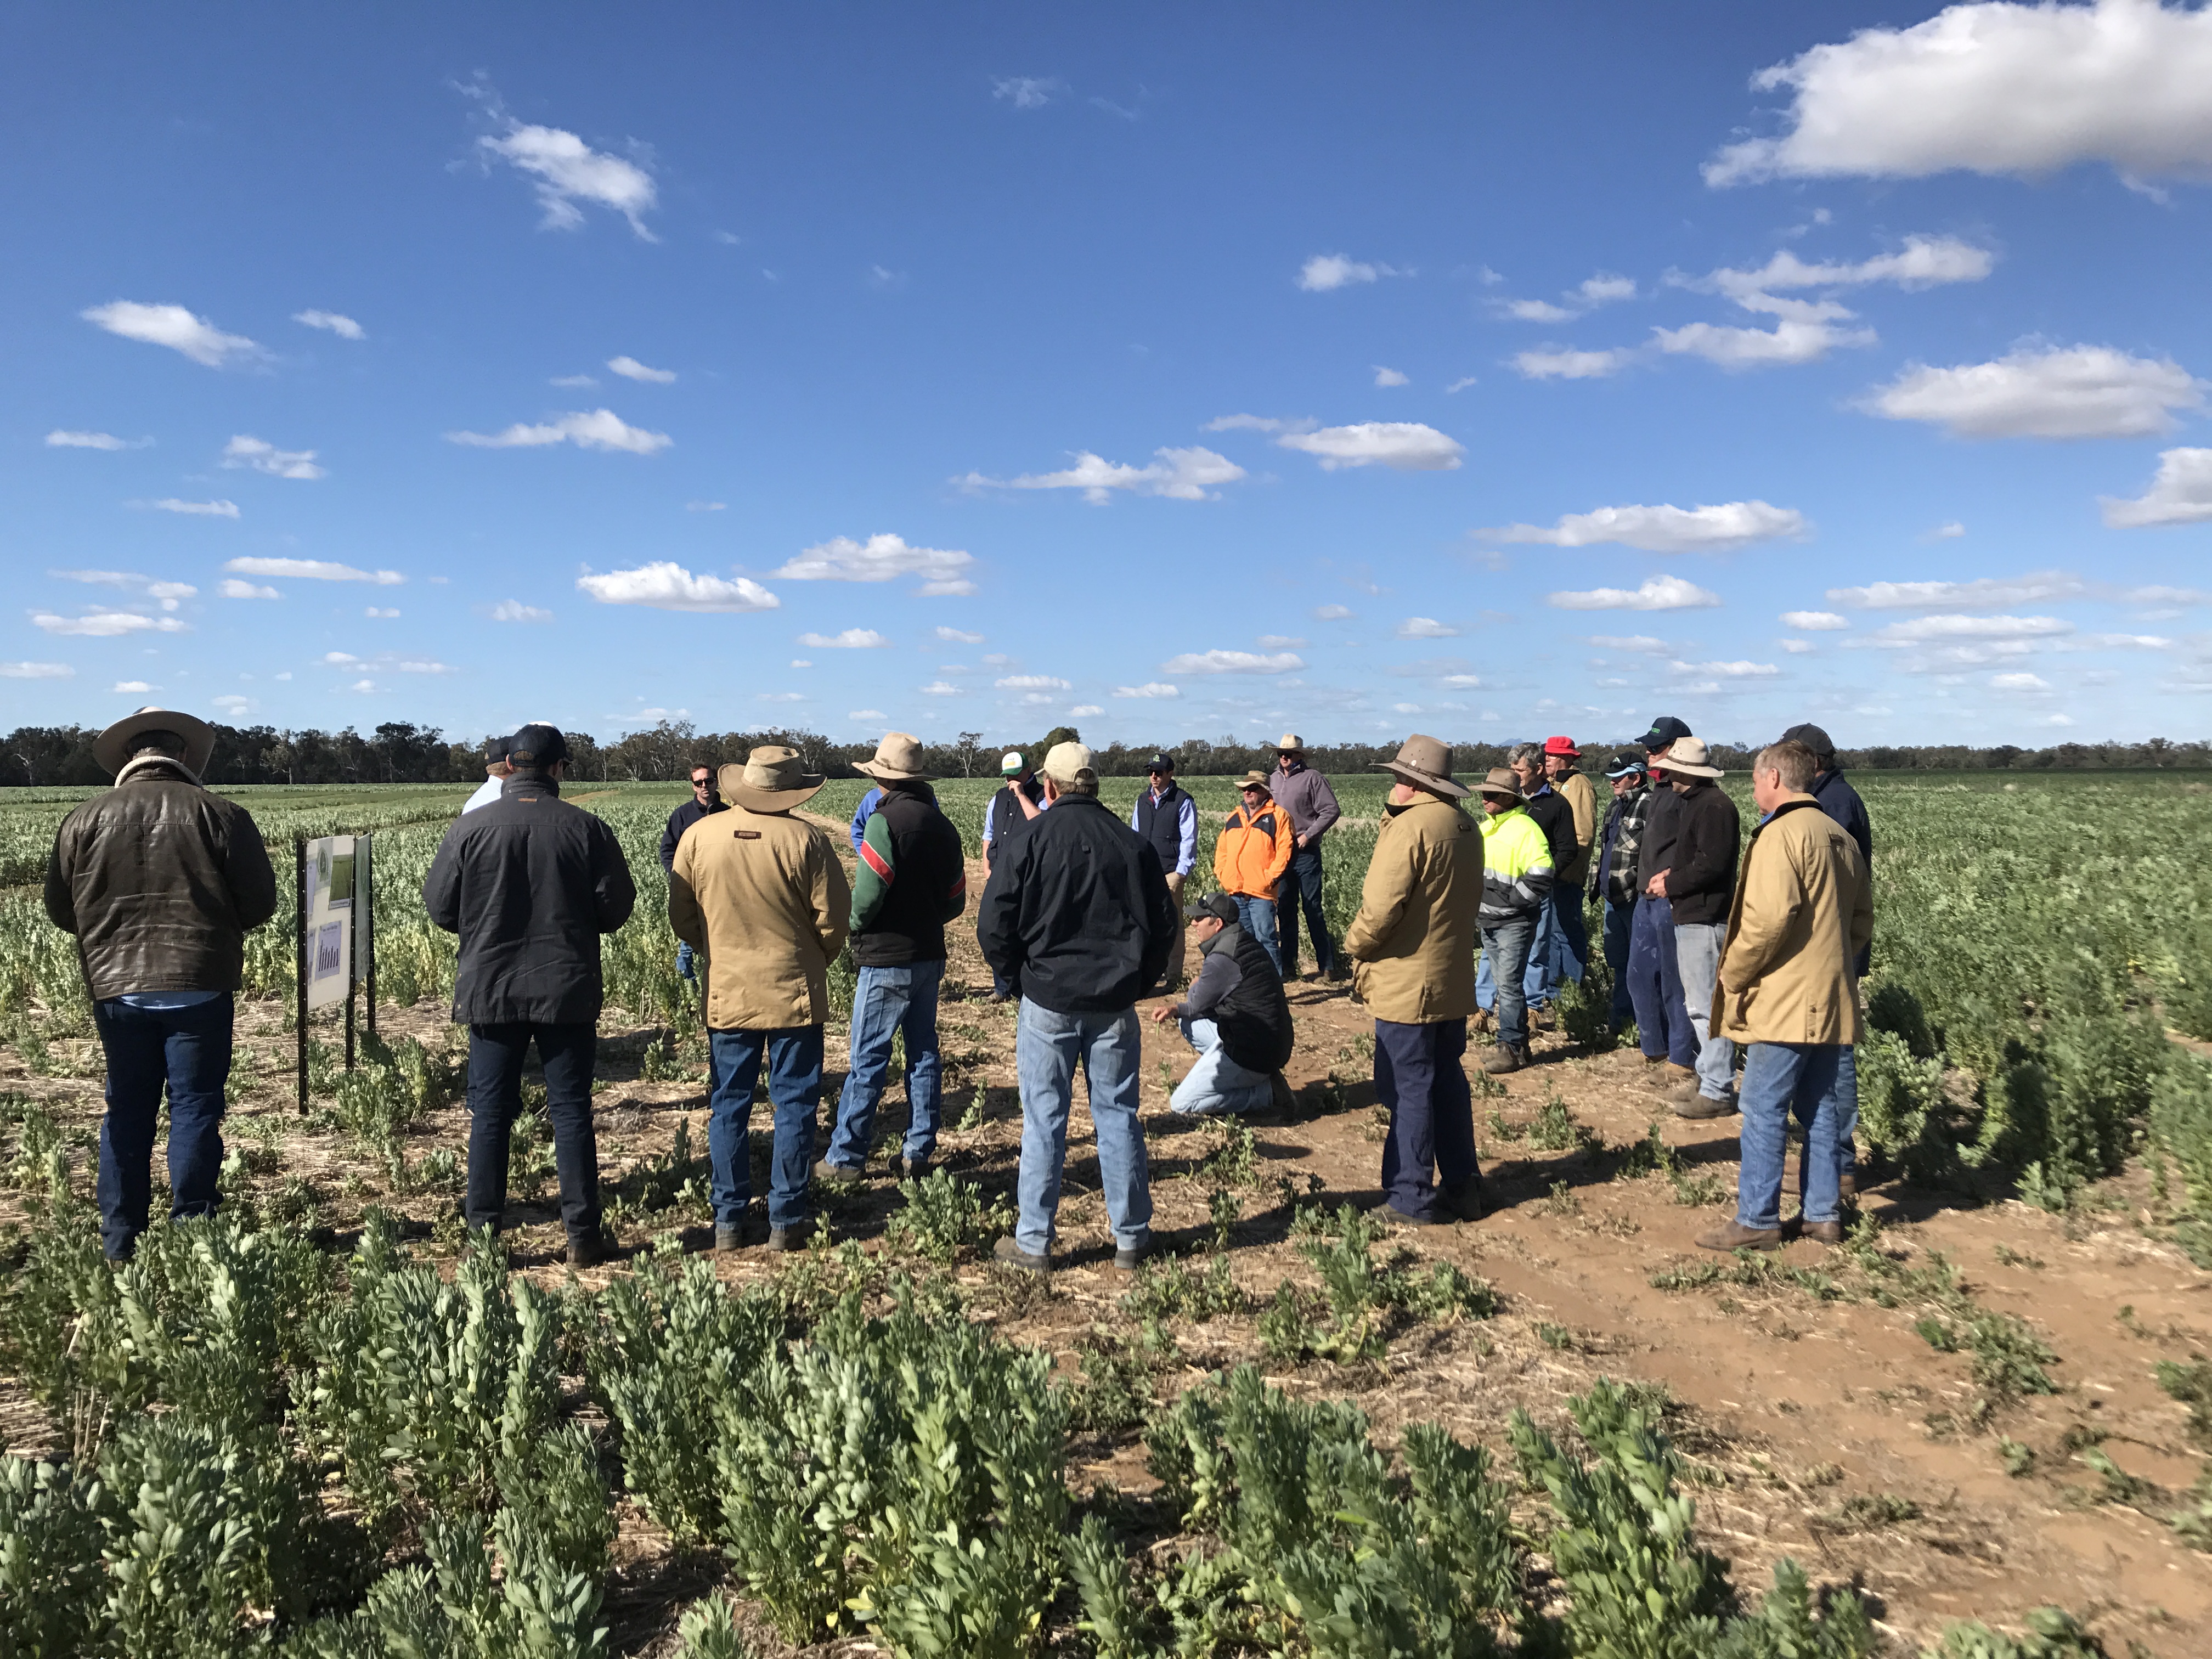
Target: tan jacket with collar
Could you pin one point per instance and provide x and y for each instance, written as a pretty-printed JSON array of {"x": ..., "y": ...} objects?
[
  {"x": 764, "y": 900},
  {"x": 1413, "y": 942},
  {"x": 1802, "y": 912}
]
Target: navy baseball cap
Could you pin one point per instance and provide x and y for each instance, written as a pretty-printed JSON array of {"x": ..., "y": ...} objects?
[
  {"x": 1664, "y": 730},
  {"x": 1623, "y": 765},
  {"x": 496, "y": 750},
  {"x": 1162, "y": 762},
  {"x": 537, "y": 747},
  {"x": 1219, "y": 906},
  {"x": 1812, "y": 738}
]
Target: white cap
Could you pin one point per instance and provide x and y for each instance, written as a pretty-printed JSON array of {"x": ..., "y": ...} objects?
[
  {"x": 1011, "y": 761},
  {"x": 1067, "y": 762}
]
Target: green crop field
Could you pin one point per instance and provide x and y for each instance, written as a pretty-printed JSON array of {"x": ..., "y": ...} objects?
[{"x": 329, "y": 1424}]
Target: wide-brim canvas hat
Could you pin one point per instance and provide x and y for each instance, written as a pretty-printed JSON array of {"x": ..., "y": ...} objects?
[
  {"x": 1690, "y": 758},
  {"x": 112, "y": 748},
  {"x": 1291, "y": 744},
  {"x": 772, "y": 780},
  {"x": 1501, "y": 781},
  {"x": 898, "y": 760},
  {"x": 1424, "y": 762},
  {"x": 1256, "y": 780}
]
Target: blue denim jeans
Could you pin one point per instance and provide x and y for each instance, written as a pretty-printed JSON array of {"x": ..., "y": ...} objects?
[
  {"x": 886, "y": 1001},
  {"x": 1217, "y": 1083},
  {"x": 1697, "y": 956},
  {"x": 1048, "y": 1048},
  {"x": 1505, "y": 951},
  {"x": 1573, "y": 954},
  {"x": 569, "y": 1054},
  {"x": 1419, "y": 1080},
  {"x": 1655, "y": 986},
  {"x": 1843, "y": 1101},
  {"x": 1536, "y": 978},
  {"x": 683, "y": 955},
  {"x": 189, "y": 1050},
  {"x": 1619, "y": 920},
  {"x": 794, "y": 1090},
  {"x": 1301, "y": 890},
  {"x": 1780, "y": 1078},
  {"x": 1257, "y": 917}
]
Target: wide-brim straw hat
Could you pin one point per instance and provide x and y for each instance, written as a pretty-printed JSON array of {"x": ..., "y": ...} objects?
[
  {"x": 1256, "y": 780},
  {"x": 1690, "y": 758},
  {"x": 898, "y": 760},
  {"x": 1501, "y": 781},
  {"x": 1424, "y": 762},
  {"x": 1291, "y": 744},
  {"x": 772, "y": 780},
  {"x": 112, "y": 748}
]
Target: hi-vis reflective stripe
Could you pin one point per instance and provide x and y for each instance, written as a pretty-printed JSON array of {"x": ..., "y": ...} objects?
[{"x": 879, "y": 863}]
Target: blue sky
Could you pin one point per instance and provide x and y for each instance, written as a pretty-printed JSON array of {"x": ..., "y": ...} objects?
[{"x": 1172, "y": 371}]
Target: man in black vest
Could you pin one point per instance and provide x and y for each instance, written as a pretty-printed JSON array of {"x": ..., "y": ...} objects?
[
  {"x": 1237, "y": 1017},
  {"x": 1016, "y": 803},
  {"x": 703, "y": 801},
  {"x": 1165, "y": 819},
  {"x": 913, "y": 878}
]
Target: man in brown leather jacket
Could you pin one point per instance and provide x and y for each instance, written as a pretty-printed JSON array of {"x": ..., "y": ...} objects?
[{"x": 161, "y": 881}]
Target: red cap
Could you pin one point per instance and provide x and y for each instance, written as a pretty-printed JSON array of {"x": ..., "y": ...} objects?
[{"x": 1561, "y": 747}]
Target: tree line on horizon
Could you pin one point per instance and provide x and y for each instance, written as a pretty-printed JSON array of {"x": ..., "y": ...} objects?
[{"x": 398, "y": 751}]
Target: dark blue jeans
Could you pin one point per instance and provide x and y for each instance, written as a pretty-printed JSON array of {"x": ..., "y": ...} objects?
[
  {"x": 1655, "y": 986},
  {"x": 1574, "y": 929},
  {"x": 569, "y": 1053},
  {"x": 793, "y": 1056},
  {"x": 1300, "y": 889},
  {"x": 188, "y": 1049},
  {"x": 1257, "y": 918},
  {"x": 1781, "y": 1079},
  {"x": 886, "y": 1001},
  {"x": 1419, "y": 1080},
  {"x": 1506, "y": 949},
  {"x": 1619, "y": 919}
]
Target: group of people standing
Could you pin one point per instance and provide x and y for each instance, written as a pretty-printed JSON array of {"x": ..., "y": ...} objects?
[{"x": 1080, "y": 917}]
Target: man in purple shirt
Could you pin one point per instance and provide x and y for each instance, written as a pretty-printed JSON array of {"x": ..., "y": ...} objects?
[{"x": 1304, "y": 794}]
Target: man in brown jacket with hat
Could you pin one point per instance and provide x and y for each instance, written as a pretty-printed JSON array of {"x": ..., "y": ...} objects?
[
  {"x": 1413, "y": 951},
  {"x": 761, "y": 897},
  {"x": 1801, "y": 913},
  {"x": 159, "y": 881}
]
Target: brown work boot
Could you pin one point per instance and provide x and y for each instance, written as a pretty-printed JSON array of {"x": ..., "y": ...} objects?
[
  {"x": 1691, "y": 1104},
  {"x": 1280, "y": 1097},
  {"x": 1484, "y": 1020},
  {"x": 1504, "y": 1059},
  {"x": 1730, "y": 1236},
  {"x": 1821, "y": 1232}
]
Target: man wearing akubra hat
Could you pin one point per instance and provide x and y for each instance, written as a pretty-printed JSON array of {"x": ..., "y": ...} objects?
[
  {"x": 529, "y": 883},
  {"x": 1654, "y": 976},
  {"x": 1411, "y": 947},
  {"x": 1698, "y": 883},
  {"x": 1517, "y": 879},
  {"x": 913, "y": 878},
  {"x": 159, "y": 881},
  {"x": 761, "y": 897},
  {"x": 1304, "y": 794},
  {"x": 1251, "y": 851}
]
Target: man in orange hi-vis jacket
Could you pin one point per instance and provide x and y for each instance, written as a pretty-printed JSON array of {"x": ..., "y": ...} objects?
[{"x": 1249, "y": 857}]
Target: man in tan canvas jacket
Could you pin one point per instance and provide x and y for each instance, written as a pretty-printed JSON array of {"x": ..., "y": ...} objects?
[
  {"x": 762, "y": 899},
  {"x": 1803, "y": 909}
]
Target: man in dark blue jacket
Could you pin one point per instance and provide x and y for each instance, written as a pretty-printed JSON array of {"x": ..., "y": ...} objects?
[
  {"x": 530, "y": 882},
  {"x": 703, "y": 802},
  {"x": 1077, "y": 918}
]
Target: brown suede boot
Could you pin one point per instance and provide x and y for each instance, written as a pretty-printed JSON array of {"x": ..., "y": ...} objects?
[
  {"x": 1729, "y": 1236},
  {"x": 1504, "y": 1059}
]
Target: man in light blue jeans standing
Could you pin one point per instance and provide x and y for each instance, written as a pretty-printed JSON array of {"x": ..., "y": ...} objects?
[{"x": 1077, "y": 917}]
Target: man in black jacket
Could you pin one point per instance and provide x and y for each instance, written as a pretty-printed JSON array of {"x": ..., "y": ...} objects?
[
  {"x": 703, "y": 802},
  {"x": 530, "y": 883},
  {"x": 1654, "y": 975},
  {"x": 1697, "y": 883},
  {"x": 160, "y": 882},
  {"x": 1235, "y": 1015},
  {"x": 1613, "y": 881},
  {"x": 1077, "y": 918},
  {"x": 912, "y": 880}
]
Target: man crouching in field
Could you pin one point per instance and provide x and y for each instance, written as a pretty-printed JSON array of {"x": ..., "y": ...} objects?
[
  {"x": 1804, "y": 910},
  {"x": 160, "y": 882},
  {"x": 530, "y": 882}
]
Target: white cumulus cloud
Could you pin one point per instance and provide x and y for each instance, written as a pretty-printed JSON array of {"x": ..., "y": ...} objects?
[
  {"x": 137, "y": 686},
  {"x": 1280, "y": 641},
  {"x": 1088, "y": 708},
  {"x": 171, "y": 326},
  {"x": 1183, "y": 475},
  {"x": 1332, "y": 612},
  {"x": 1233, "y": 662},
  {"x": 384, "y": 611},
  {"x": 233, "y": 588},
  {"x": 1402, "y": 445},
  {"x": 514, "y": 610},
  {"x": 566, "y": 171},
  {"x": 2180, "y": 494},
  {"x": 630, "y": 370},
  {"x": 1389, "y": 377},
  {"x": 850, "y": 639},
  {"x": 1150, "y": 689},
  {"x": 192, "y": 509},
  {"x": 2054, "y": 392},
  {"x": 313, "y": 570},
  {"x": 1627, "y": 642},
  {"x": 1425, "y": 628},
  {"x": 599, "y": 429},
  {"x": 62, "y": 439},
  {"x": 939, "y": 689},
  {"x": 881, "y": 559},
  {"x": 664, "y": 585},
  {"x": 105, "y": 624},
  {"x": 1027, "y": 91},
  {"x": 334, "y": 322},
  {"x": 264, "y": 457},
  {"x": 1929, "y": 631},
  {"x": 956, "y": 636},
  {"x": 1031, "y": 682},
  {"x": 2020, "y": 682},
  {"x": 1326, "y": 271},
  {"x": 1664, "y": 529},
  {"x": 1814, "y": 622},
  {"x": 1983, "y": 593},
  {"x": 1572, "y": 365},
  {"x": 1658, "y": 593},
  {"x": 1726, "y": 671},
  {"x": 168, "y": 594},
  {"x": 36, "y": 670},
  {"x": 1994, "y": 88}
]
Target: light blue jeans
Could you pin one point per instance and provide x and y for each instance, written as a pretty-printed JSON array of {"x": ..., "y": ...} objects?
[
  {"x": 1539, "y": 981},
  {"x": 1257, "y": 917},
  {"x": 1048, "y": 1048},
  {"x": 1780, "y": 1078},
  {"x": 885, "y": 1002},
  {"x": 1217, "y": 1083},
  {"x": 1697, "y": 954}
]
